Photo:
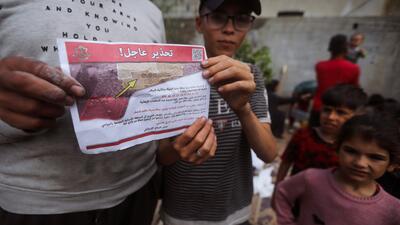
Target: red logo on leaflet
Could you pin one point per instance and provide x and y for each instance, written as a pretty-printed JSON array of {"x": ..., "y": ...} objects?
[{"x": 81, "y": 53}]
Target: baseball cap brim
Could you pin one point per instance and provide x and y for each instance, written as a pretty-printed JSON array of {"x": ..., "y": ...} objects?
[{"x": 214, "y": 4}]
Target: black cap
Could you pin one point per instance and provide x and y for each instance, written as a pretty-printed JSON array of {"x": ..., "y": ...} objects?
[{"x": 255, "y": 5}]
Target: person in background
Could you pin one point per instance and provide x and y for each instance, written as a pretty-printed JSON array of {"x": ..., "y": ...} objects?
[
  {"x": 368, "y": 146},
  {"x": 44, "y": 178},
  {"x": 220, "y": 190},
  {"x": 314, "y": 147},
  {"x": 355, "y": 51},
  {"x": 336, "y": 70},
  {"x": 299, "y": 110},
  {"x": 390, "y": 181},
  {"x": 375, "y": 102},
  {"x": 274, "y": 101}
]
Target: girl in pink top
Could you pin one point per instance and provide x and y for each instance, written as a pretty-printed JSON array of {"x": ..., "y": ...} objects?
[{"x": 368, "y": 146}]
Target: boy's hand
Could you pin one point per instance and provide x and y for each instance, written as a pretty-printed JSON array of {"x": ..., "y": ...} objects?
[
  {"x": 197, "y": 143},
  {"x": 33, "y": 94},
  {"x": 233, "y": 80}
]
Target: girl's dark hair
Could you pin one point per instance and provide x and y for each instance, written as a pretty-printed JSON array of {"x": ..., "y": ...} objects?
[
  {"x": 391, "y": 107},
  {"x": 383, "y": 129},
  {"x": 376, "y": 100},
  {"x": 345, "y": 95},
  {"x": 338, "y": 44}
]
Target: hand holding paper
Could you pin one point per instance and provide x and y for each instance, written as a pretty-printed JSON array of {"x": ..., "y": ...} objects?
[
  {"x": 197, "y": 144},
  {"x": 33, "y": 94},
  {"x": 233, "y": 80}
]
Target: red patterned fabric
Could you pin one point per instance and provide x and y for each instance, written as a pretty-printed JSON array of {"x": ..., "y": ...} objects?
[{"x": 307, "y": 150}]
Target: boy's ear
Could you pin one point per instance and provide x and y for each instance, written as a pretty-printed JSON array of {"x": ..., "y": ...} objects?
[
  {"x": 199, "y": 22},
  {"x": 393, "y": 167}
]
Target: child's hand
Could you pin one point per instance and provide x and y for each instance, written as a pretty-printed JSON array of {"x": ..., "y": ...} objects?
[
  {"x": 198, "y": 143},
  {"x": 233, "y": 80}
]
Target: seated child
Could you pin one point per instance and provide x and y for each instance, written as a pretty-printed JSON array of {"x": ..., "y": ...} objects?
[
  {"x": 313, "y": 147},
  {"x": 368, "y": 145}
]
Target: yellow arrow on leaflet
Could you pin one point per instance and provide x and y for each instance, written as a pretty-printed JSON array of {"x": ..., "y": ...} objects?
[{"x": 131, "y": 84}]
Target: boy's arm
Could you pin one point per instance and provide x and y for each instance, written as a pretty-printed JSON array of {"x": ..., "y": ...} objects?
[
  {"x": 259, "y": 136},
  {"x": 235, "y": 83},
  {"x": 258, "y": 131},
  {"x": 287, "y": 192}
]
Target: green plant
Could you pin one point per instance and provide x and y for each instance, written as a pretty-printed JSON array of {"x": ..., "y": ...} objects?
[{"x": 259, "y": 57}]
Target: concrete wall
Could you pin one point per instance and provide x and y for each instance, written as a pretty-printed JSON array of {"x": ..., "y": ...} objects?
[
  {"x": 300, "y": 42},
  {"x": 311, "y": 8},
  {"x": 325, "y": 8}
]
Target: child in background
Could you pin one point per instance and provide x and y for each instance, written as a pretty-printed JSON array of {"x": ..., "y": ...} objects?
[
  {"x": 355, "y": 51},
  {"x": 390, "y": 181},
  {"x": 336, "y": 70},
  {"x": 274, "y": 102},
  {"x": 368, "y": 145},
  {"x": 313, "y": 147}
]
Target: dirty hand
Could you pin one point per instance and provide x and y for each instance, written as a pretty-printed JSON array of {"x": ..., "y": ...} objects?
[{"x": 33, "y": 94}]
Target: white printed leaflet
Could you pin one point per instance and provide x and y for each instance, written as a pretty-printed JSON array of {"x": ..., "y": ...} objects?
[{"x": 135, "y": 93}]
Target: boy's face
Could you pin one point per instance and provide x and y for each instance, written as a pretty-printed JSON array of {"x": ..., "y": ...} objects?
[
  {"x": 226, "y": 39},
  {"x": 332, "y": 118},
  {"x": 362, "y": 162},
  {"x": 356, "y": 40}
]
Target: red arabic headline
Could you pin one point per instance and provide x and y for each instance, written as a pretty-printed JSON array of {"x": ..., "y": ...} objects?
[{"x": 79, "y": 52}]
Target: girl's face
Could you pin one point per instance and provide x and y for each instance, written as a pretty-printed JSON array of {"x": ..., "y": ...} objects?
[{"x": 362, "y": 162}]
